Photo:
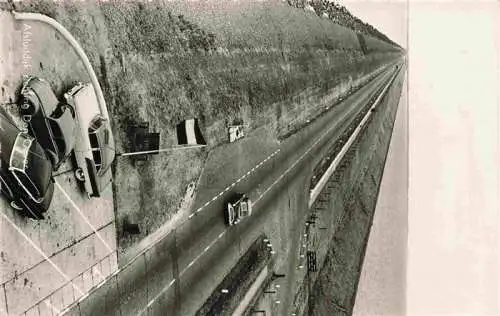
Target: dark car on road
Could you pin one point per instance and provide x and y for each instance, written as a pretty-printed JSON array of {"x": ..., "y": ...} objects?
[
  {"x": 25, "y": 171},
  {"x": 51, "y": 122}
]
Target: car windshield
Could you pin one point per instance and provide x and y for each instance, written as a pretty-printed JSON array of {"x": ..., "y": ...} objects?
[
  {"x": 19, "y": 163},
  {"x": 244, "y": 208},
  {"x": 96, "y": 151},
  {"x": 19, "y": 155},
  {"x": 101, "y": 144}
]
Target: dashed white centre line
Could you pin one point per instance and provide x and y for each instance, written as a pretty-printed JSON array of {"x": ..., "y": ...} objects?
[
  {"x": 151, "y": 302},
  {"x": 233, "y": 184},
  {"x": 202, "y": 253}
]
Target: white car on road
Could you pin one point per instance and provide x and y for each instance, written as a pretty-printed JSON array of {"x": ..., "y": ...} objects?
[{"x": 237, "y": 209}]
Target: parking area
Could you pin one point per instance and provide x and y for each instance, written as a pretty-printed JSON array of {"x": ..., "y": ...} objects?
[{"x": 48, "y": 264}]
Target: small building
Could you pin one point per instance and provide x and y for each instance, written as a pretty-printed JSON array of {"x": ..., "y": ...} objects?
[
  {"x": 235, "y": 132},
  {"x": 141, "y": 140}
]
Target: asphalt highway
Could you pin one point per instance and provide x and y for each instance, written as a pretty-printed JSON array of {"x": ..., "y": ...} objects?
[{"x": 180, "y": 273}]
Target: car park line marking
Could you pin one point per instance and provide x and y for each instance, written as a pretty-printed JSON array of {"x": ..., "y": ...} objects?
[
  {"x": 32, "y": 243},
  {"x": 84, "y": 217},
  {"x": 295, "y": 163},
  {"x": 99, "y": 275},
  {"x": 49, "y": 305}
]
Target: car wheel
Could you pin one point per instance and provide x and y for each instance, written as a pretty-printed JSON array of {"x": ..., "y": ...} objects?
[
  {"x": 80, "y": 176},
  {"x": 16, "y": 206},
  {"x": 27, "y": 107},
  {"x": 34, "y": 215}
]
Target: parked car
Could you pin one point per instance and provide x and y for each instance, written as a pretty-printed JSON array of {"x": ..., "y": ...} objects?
[
  {"x": 94, "y": 146},
  {"x": 51, "y": 122},
  {"x": 25, "y": 171},
  {"x": 239, "y": 207}
]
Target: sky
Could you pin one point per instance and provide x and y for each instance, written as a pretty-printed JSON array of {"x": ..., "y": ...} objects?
[{"x": 387, "y": 16}]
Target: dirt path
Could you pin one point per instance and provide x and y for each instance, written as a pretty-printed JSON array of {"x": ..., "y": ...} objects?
[{"x": 382, "y": 286}]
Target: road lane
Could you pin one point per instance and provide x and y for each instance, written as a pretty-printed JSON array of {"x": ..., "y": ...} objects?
[
  {"x": 196, "y": 284},
  {"x": 190, "y": 262},
  {"x": 293, "y": 147}
]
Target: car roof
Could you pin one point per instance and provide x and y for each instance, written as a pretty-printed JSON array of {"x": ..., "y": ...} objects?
[
  {"x": 8, "y": 135},
  {"x": 86, "y": 105},
  {"x": 100, "y": 126},
  {"x": 66, "y": 124},
  {"x": 44, "y": 92},
  {"x": 37, "y": 166}
]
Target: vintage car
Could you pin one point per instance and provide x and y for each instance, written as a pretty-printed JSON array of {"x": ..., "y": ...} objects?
[
  {"x": 94, "y": 146},
  {"x": 51, "y": 122},
  {"x": 25, "y": 171},
  {"x": 239, "y": 207}
]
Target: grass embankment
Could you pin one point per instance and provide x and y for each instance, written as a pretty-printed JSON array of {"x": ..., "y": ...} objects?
[{"x": 162, "y": 62}]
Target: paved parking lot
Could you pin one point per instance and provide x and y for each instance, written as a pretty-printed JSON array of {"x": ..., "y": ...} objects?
[{"x": 46, "y": 265}]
